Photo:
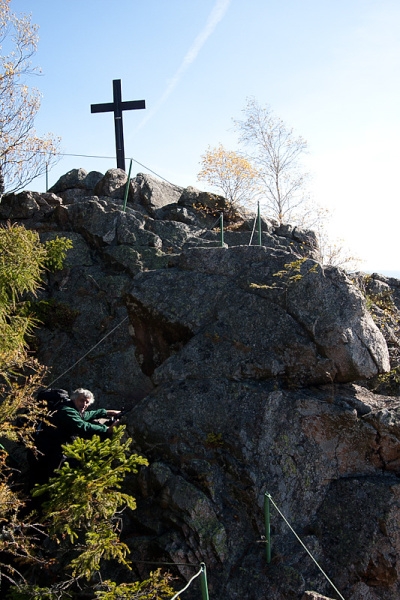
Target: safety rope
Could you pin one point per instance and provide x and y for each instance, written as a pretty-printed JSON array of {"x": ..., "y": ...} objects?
[
  {"x": 188, "y": 583},
  {"x": 159, "y": 176},
  {"x": 106, "y": 336},
  {"x": 88, "y": 352},
  {"x": 203, "y": 231},
  {"x": 305, "y": 548},
  {"x": 151, "y": 171},
  {"x": 204, "y": 586},
  {"x": 108, "y": 158},
  {"x": 254, "y": 228},
  {"x": 161, "y": 564}
]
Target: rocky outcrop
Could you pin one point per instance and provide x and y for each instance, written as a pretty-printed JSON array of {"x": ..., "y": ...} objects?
[
  {"x": 248, "y": 368},
  {"x": 78, "y": 179},
  {"x": 383, "y": 298},
  {"x": 243, "y": 324},
  {"x": 318, "y": 452},
  {"x": 155, "y": 193},
  {"x": 26, "y": 206},
  {"x": 113, "y": 184}
]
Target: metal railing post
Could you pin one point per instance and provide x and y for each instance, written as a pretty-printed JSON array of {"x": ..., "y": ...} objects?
[
  {"x": 222, "y": 228},
  {"x": 203, "y": 582},
  {"x": 127, "y": 187},
  {"x": 267, "y": 527}
]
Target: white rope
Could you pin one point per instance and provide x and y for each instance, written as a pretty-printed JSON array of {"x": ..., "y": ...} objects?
[
  {"x": 254, "y": 228},
  {"x": 305, "y": 548},
  {"x": 88, "y": 352},
  {"x": 188, "y": 584}
]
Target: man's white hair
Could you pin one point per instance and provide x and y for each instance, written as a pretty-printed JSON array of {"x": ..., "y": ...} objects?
[{"x": 78, "y": 393}]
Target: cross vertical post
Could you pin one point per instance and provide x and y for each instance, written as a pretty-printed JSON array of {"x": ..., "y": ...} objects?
[
  {"x": 119, "y": 130},
  {"x": 117, "y": 106}
]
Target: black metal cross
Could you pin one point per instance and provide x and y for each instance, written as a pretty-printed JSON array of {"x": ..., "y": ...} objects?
[{"x": 117, "y": 106}]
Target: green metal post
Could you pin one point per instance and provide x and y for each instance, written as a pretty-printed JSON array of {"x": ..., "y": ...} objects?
[
  {"x": 259, "y": 225},
  {"x": 267, "y": 527},
  {"x": 203, "y": 582},
  {"x": 222, "y": 228},
  {"x": 127, "y": 186}
]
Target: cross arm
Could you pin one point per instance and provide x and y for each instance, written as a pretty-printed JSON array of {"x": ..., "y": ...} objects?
[
  {"x": 106, "y": 107},
  {"x": 133, "y": 104},
  {"x": 110, "y": 106}
]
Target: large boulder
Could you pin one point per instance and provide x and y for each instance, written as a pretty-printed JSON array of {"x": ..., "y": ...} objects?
[
  {"x": 113, "y": 184},
  {"x": 103, "y": 224},
  {"x": 76, "y": 179},
  {"x": 27, "y": 205},
  {"x": 307, "y": 326},
  {"x": 316, "y": 451},
  {"x": 213, "y": 203},
  {"x": 154, "y": 193}
]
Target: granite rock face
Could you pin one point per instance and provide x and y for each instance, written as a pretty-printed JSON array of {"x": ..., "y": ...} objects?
[
  {"x": 250, "y": 372},
  {"x": 154, "y": 193},
  {"x": 112, "y": 185},
  {"x": 243, "y": 325},
  {"x": 77, "y": 179}
]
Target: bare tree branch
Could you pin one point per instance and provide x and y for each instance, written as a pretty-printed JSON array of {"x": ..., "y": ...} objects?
[
  {"x": 23, "y": 154},
  {"x": 275, "y": 152}
]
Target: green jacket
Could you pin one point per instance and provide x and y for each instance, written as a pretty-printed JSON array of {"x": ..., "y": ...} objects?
[{"x": 71, "y": 423}]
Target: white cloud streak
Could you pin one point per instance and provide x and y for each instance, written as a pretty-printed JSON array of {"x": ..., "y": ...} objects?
[{"x": 216, "y": 15}]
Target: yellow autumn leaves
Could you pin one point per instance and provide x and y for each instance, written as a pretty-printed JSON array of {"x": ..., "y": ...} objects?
[{"x": 229, "y": 172}]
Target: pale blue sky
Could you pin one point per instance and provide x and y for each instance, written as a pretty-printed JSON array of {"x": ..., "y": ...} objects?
[{"x": 328, "y": 68}]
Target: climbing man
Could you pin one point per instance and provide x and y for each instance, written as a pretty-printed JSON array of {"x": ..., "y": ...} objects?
[
  {"x": 69, "y": 419},
  {"x": 74, "y": 420}
]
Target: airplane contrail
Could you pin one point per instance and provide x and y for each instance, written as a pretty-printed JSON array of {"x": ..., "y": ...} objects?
[{"x": 217, "y": 13}]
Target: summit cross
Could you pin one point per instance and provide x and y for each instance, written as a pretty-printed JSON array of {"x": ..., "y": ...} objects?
[{"x": 117, "y": 106}]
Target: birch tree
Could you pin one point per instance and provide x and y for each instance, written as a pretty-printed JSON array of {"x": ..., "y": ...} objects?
[
  {"x": 275, "y": 152},
  {"x": 23, "y": 154}
]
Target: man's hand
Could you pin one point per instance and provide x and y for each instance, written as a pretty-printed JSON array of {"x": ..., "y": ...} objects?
[{"x": 113, "y": 413}]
